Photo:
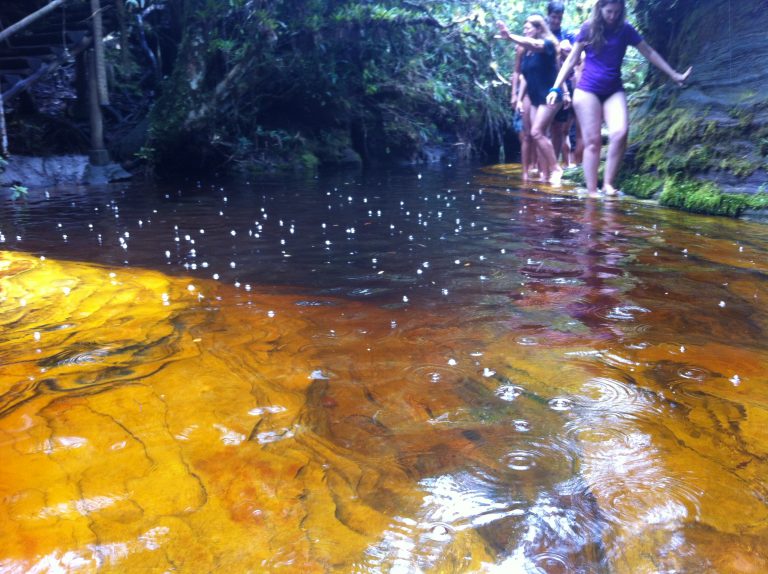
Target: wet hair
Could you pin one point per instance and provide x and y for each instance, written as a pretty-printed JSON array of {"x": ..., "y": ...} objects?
[
  {"x": 597, "y": 24},
  {"x": 555, "y": 7}
]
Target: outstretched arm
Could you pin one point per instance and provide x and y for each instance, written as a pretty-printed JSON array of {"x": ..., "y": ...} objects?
[
  {"x": 565, "y": 71},
  {"x": 532, "y": 44},
  {"x": 655, "y": 58}
]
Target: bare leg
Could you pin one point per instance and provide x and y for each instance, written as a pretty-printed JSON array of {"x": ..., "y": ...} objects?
[
  {"x": 558, "y": 141},
  {"x": 533, "y": 150},
  {"x": 526, "y": 146},
  {"x": 578, "y": 150},
  {"x": 617, "y": 120},
  {"x": 542, "y": 119},
  {"x": 567, "y": 151},
  {"x": 589, "y": 114}
]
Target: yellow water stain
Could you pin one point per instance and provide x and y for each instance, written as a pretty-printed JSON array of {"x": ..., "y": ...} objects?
[
  {"x": 162, "y": 435},
  {"x": 156, "y": 431}
]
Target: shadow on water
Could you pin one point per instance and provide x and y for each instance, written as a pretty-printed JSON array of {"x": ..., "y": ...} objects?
[{"x": 412, "y": 371}]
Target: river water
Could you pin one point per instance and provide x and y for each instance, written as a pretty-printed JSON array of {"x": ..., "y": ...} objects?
[{"x": 432, "y": 371}]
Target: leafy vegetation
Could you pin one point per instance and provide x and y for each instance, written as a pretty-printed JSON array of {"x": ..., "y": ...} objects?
[{"x": 383, "y": 79}]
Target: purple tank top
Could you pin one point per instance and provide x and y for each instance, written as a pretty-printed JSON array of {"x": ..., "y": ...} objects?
[{"x": 602, "y": 70}]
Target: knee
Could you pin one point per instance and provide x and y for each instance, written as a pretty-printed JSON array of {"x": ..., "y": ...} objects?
[
  {"x": 592, "y": 143},
  {"x": 618, "y": 136},
  {"x": 537, "y": 134}
]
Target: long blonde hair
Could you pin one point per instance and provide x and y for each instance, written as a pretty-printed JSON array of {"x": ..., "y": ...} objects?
[
  {"x": 597, "y": 24},
  {"x": 540, "y": 23}
]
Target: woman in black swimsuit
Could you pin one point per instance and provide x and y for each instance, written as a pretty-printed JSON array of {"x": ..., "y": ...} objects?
[{"x": 539, "y": 68}]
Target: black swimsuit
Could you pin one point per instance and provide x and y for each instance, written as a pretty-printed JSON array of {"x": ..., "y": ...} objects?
[{"x": 540, "y": 70}]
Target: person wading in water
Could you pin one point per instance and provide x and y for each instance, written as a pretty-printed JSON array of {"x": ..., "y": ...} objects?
[
  {"x": 539, "y": 68},
  {"x": 599, "y": 95}
]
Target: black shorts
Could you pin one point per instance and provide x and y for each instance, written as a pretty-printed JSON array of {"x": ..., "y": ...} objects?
[{"x": 564, "y": 114}]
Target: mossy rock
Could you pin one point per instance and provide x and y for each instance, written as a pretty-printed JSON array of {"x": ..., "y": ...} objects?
[
  {"x": 642, "y": 186},
  {"x": 707, "y": 198}
]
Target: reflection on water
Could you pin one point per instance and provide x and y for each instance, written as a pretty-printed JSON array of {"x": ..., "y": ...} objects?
[{"x": 435, "y": 372}]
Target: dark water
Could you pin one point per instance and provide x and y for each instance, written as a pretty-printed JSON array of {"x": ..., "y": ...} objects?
[{"x": 426, "y": 370}]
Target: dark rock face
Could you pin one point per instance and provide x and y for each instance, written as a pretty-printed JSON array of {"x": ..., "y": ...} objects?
[
  {"x": 35, "y": 172},
  {"x": 717, "y": 127}
]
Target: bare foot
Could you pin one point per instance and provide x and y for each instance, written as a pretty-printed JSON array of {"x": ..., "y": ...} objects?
[
  {"x": 555, "y": 177},
  {"x": 584, "y": 192},
  {"x": 609, "y": 190},
  {"x": 525, "y": 176}
]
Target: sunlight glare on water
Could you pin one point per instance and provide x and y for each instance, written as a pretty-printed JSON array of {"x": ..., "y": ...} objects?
[{"x": 434, "y": 371}]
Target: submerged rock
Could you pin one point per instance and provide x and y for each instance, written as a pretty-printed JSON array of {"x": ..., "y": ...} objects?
[{"x": 65, "y": 169}]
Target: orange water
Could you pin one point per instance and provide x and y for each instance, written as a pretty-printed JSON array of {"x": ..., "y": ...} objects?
[{"x": 451, "y": 375}]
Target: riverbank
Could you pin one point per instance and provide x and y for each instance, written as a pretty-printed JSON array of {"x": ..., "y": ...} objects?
[{"x": 32, "y": 172}]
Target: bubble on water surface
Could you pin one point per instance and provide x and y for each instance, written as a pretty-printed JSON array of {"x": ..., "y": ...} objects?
[
  {"x": 521, "y": 425},
  {"x": 693, "y": 373},
  {"x": 560, "y": 404},
  {"x": 550, "y": 563},
  {"x": 520, "y": 460},
  {"x": 509, "y": 392}
]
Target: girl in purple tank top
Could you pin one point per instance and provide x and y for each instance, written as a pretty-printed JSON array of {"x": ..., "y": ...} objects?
[{"x": 599, "y": 95}]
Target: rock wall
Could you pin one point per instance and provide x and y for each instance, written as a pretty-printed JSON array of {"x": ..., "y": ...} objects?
[{"x": 715, "y": 129}]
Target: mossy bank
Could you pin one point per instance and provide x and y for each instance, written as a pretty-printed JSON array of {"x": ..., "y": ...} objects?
[{"x": 703, "y": 148}]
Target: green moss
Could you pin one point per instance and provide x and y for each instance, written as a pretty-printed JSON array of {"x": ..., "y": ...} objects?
[
  {"x": 710, "y": 129},
  {"x": 674, "y": 141},
  {"x": 669, "y": 130},
  {"x": 745, "y": 116},
  {"x": 707, "y": 198},
  {"x": 698, "y": 158},
  {"x": 739, "y": 166},
  {"x": 758, "y": 201},
  {"x": 641, "y": 185},
  {"x": 763, "y": 146},
  {"x": 574, "y": 175}
]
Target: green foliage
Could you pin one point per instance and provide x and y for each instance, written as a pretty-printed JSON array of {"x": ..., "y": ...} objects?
[{"x": 396, "y": 75}]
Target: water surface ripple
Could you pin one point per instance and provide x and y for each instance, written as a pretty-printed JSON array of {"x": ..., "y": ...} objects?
[{"x": 422, "y": 370}]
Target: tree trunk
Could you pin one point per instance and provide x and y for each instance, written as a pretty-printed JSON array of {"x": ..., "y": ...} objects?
[
  {"x": 98, "y": 154},
  {"x": 123, "y": 26},
  {"x": 3, "y": 132},
  {"x": 98, "y": 51}
]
